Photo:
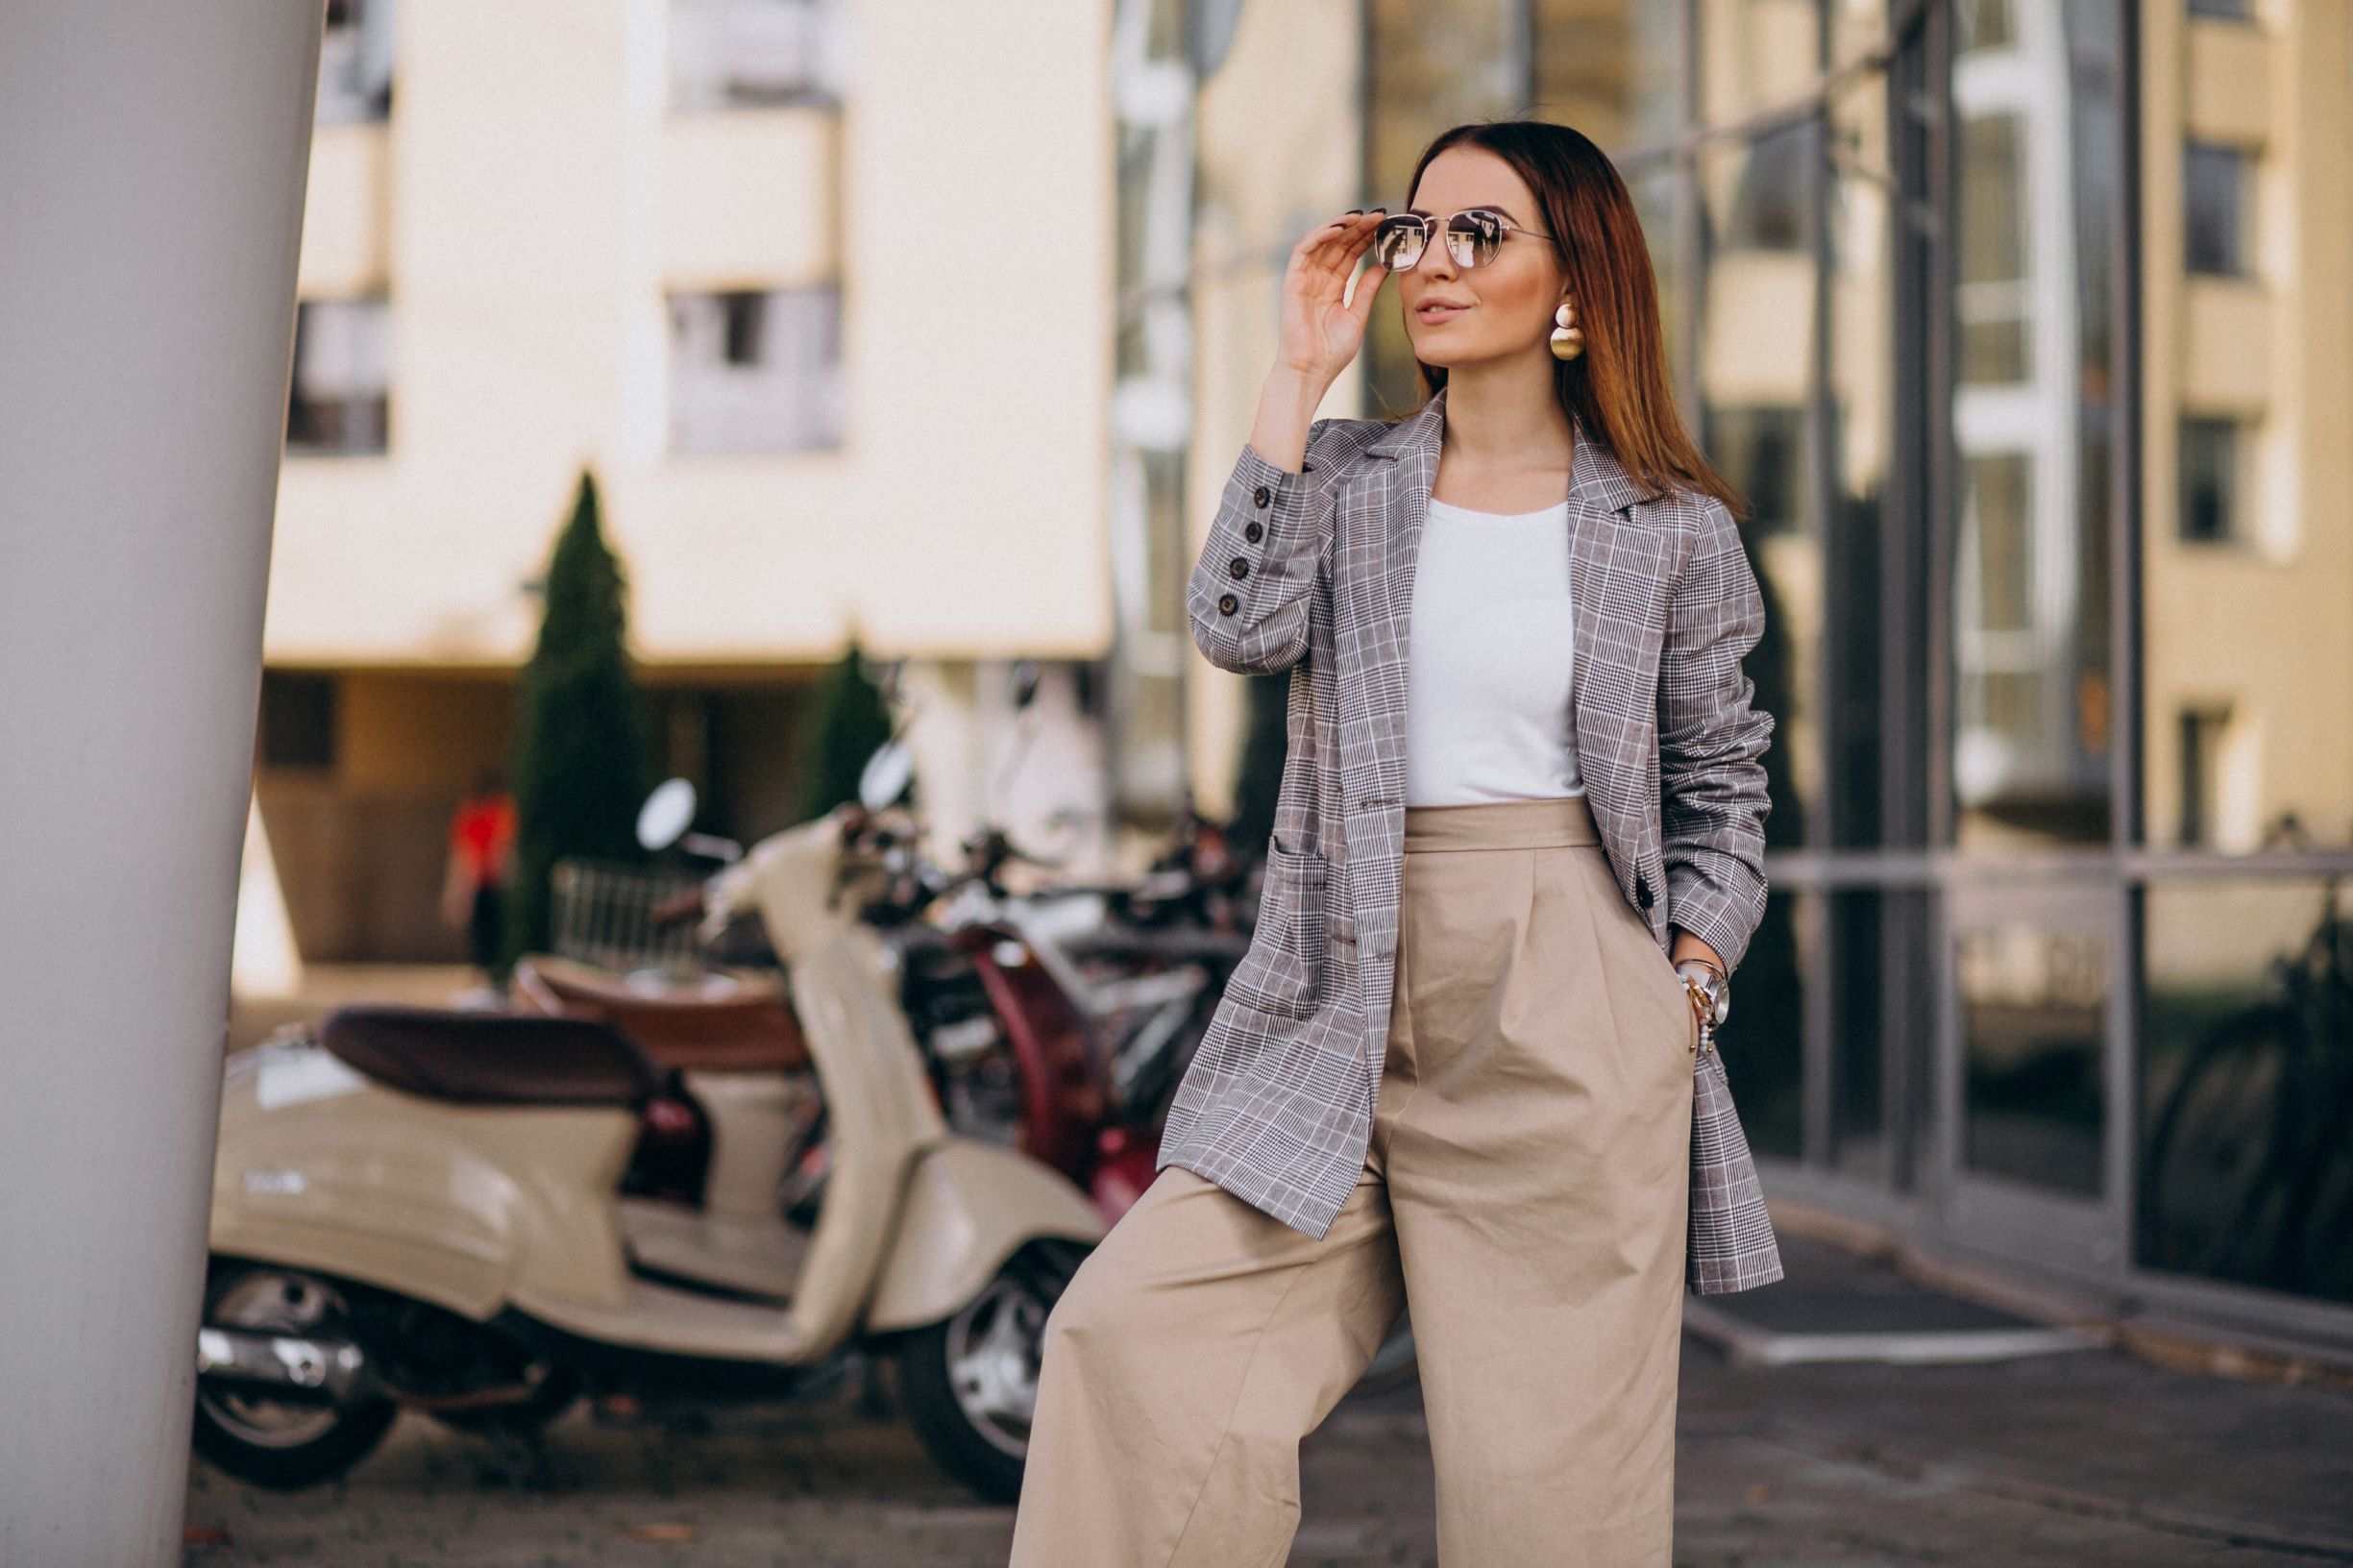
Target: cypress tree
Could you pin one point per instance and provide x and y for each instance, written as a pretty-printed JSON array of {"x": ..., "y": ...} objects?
[
  {"x": 852, "y": 719},
  {"x": 579, "y": 762}
]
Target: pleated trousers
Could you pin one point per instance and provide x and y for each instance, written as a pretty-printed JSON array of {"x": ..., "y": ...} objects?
[{"x": 1524, "y": 1190}]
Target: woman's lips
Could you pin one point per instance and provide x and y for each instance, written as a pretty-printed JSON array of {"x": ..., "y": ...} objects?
[{"x": 1440, "y": 313}]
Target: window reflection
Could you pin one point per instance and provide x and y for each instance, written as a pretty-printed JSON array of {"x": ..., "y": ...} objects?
[
  {"x": 2214, "y": 182},
  {"x": 2247, "y": 1066},
  {"x": 2034, "y": 415},
  {"x": 2033, "y": 1010},
  {"x": 2247, "y": 543}
]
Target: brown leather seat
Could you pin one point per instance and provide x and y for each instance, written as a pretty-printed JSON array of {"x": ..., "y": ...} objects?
[
  {"x": 715, "y": 1023},
  {"x": 492, "y": 1058}
]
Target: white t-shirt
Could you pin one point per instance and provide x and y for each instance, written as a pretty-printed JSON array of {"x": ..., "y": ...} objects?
[{"x": 1487, "y": 677}]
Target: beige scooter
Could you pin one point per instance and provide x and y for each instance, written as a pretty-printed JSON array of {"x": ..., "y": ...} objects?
[{"x": 480, "y": 1216}]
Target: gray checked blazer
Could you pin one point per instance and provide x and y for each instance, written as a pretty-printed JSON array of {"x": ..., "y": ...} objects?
[{"x": 1313, "y": 573}]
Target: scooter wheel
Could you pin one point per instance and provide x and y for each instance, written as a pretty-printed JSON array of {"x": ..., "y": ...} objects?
[
  {"x": 969, "y": 1382},
  {"x": 271, "y": 1443}
]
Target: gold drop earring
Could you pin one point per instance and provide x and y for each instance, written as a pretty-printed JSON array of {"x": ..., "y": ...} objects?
[{"x": 1568, "y": 340}]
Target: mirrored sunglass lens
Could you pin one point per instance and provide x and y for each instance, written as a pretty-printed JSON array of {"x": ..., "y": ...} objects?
[
  {"x": 1474, "y": 237},
  {"x": 1397, "y": 242}
]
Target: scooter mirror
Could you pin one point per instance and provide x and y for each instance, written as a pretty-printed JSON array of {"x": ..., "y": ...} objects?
[
  {"x": 667, "y": 814},
  {"x": 886, "y": 775}
]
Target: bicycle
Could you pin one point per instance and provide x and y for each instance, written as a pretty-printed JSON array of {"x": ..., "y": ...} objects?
[{"x": 2250, "y": 1173}]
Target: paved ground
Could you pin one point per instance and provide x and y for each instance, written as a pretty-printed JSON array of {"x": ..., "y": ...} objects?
[{"x": 2078, "y": 1460}]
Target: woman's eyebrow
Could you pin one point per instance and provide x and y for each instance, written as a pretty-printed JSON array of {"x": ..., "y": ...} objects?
[{"x": 1491, "y": 206}]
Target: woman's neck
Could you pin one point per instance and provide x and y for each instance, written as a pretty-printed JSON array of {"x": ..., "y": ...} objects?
[{"x": 1503, "y": 419}]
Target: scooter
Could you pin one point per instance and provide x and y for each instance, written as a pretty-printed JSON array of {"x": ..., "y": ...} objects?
[{"x": 480, "y": 1216}]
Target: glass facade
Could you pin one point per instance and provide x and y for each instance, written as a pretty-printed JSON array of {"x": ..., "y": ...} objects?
[{"x": 2022, "y": 326}]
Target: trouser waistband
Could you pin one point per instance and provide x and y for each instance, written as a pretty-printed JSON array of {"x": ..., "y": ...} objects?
[{"x": 1559, "y": 823}]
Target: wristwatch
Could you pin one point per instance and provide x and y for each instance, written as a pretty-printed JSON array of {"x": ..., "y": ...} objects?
[{"x": 1711, "y": 990}]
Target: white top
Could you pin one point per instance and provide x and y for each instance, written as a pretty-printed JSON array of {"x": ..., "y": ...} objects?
[{"x": 1487, "y": 677}]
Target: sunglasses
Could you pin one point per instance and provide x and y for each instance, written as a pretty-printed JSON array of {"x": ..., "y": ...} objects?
[{"x": 1473, "y": 237}]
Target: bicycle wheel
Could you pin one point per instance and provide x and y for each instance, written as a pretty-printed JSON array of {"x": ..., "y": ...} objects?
[{"x": 2221, "y": 1154}]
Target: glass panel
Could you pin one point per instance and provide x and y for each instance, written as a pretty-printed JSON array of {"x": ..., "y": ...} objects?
[
  {"x": 2034, "y": 415},
  {"x": 1609, "y": 68},
  {"x": 1882, "y": 1032},
  {"x": 1872, "y": 733},
  {"x": 2033, "y": 1006},
  {"x": 1764, "y": 1036},
  {"x": 1982, "y": 24},
  {"x": 2246, "y": 543},
  {"x": 1858, "y": 1078},
  {"x": 1653, "y": 195},
  {"x": 1996, "y": 297},
  {"x": 1756, "y": 311},
  {"x": 1753, "y": 303},
  {"x": 2245, "y": 1172}
]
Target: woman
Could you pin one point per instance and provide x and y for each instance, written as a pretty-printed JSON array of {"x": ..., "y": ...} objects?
[{"x": 1508, "y": 872}]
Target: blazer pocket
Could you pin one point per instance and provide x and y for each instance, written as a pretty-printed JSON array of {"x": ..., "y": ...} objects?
[{"x": 1283, "y": 972}]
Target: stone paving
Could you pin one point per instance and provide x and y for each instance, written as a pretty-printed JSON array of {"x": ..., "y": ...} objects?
[{"x": 2081, "y": 1459}]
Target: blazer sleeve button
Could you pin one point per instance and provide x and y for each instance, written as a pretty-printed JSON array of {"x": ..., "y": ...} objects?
[
  {"x": 1238, "y": 567},
  {"x": 1227, "y": 604},
  {"x": 1263, "y": 496},
  {"x": 1254, "y": 532}
]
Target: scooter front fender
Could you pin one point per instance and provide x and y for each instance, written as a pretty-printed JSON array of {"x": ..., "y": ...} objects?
[{"x": 971, "y": 1206}]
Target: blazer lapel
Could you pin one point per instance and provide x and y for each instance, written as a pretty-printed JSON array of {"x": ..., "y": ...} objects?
[{"x": 1600, "y": 492}]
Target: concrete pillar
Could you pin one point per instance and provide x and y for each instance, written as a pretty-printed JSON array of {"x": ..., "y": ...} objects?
[{"x": 152, "y": 167}]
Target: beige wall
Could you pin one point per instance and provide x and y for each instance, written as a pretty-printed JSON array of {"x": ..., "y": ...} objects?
[{"x": 525, "y": 207}]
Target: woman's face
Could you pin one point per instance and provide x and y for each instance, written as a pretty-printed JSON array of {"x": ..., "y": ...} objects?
[{"x": 1456, "y": 316}]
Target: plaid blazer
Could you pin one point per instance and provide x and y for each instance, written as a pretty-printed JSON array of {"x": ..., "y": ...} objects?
[{"x": 1313, "y": 573}]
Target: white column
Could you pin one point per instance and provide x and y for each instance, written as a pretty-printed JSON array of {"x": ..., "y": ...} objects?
[{"x": 152, "y": 166}]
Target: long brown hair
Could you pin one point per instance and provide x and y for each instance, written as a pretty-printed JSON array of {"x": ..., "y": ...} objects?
[{"x": 1619, "y": 389}]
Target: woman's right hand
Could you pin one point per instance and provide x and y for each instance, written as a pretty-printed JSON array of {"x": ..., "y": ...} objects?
[{"x": 1322, "y": 329}]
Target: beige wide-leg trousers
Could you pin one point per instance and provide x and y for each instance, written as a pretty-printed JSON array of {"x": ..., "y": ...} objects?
[{"x": 1524, "y": 1190}]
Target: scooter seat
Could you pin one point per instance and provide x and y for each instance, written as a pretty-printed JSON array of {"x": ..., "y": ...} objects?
[
  {"x": 492, "y": 1058},
  {"x": 717, "y": 1022}
]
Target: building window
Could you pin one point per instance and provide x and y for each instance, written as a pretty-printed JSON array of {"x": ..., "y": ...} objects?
[
  {"x": 1761, "y": 449},
  {"x": 2210, "y": 481},
  {"x": 737, "y": 54},
  {"x": 1994, "y": 298},
  {"x": 1769, "y": 203},
  {"x": 355, "y": 62},
  {"x": 338, "y": 402},
  {"x": 299, "y": 711},
  {"x": 1998, "y": 525},
  {"x": 1984, "y": 24},
  {"x": 756, "y": 370},
  {"x": 2215, "y": 182},
  {"x": 2201, "y": 753}
]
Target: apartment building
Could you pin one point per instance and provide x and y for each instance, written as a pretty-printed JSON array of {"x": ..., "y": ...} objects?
[{"x": 819, "y": 290}]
